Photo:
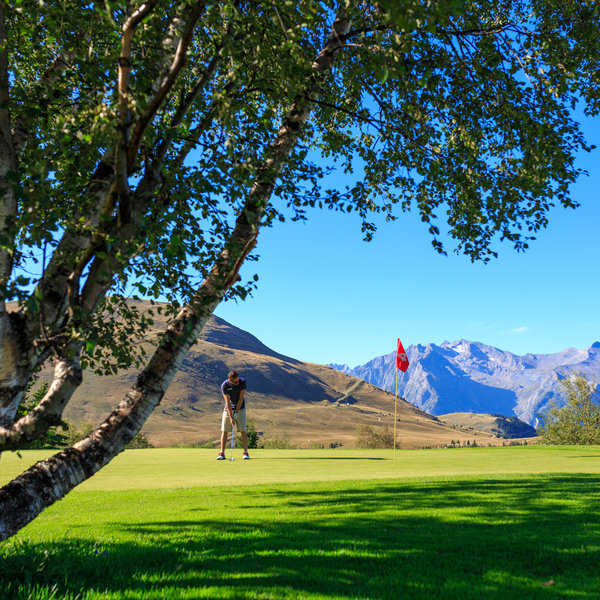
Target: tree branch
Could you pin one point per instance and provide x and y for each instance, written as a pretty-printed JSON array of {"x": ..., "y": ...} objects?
[
  {"x": 8, "y": 165},
  {"x": 124, "y": 70},
  {"x": 57, "y": 283},
  {"x": 183, "y": 110},
  {"x": 67, "y": 377},
  {"x": 37, "y": 95},
  {"x": 166, "y": 85}
]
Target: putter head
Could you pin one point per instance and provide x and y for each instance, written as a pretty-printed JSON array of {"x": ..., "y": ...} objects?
[{"x": 231, "y": 459}]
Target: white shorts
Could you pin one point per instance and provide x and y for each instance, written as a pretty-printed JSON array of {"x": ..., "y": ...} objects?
[{"x": 240, "y": 421}]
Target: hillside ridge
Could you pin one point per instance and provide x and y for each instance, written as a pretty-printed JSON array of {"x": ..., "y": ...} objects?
[{"x": 310, "y": 403}]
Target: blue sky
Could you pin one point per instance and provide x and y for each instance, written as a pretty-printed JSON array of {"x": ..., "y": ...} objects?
[{"x": 326, "y": 296}]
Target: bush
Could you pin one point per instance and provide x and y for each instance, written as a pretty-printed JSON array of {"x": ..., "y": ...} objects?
[
  {"x": 576, "y": 423},
  {"x": 254, "y": 439},
  {"x": 67, "y": 433},
  {"x": 273, "y": 441},
  {"x": 140, "y": 441},
  {"x": 511, "y": 427},
  {"x": 75, "y": 432},
  {"x": 367, "y": 437}
]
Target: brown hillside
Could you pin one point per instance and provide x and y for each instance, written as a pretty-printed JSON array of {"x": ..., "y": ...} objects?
[
  {"x": 479, "y": 422},
  {"x": 311, "y": 403}
]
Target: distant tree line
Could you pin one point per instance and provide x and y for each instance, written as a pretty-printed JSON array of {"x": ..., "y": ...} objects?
[{"x": 511, "y": 427}]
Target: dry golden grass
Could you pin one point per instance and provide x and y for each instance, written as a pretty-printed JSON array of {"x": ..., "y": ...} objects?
[{"x": 310, "y": 403}]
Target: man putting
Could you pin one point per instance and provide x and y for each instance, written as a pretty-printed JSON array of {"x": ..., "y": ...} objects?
[{"x": 233, "y": 390}]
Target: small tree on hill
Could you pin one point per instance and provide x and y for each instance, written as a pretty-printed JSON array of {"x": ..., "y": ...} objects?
[
  {"x": 368, "y": 438},
  {"x": 140, "y": 441},
  {"x": 576, "y": 423}
]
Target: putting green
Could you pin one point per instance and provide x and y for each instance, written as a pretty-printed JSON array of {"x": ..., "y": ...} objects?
[{"x": 181, "y": 468}]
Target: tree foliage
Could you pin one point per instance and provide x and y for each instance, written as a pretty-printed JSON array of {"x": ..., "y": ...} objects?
[
  {"x": 369, "y": 438},
  {"x": 255, "y": 440},
  {"x": 144, "y": 146},
  {"x": 578, "y": 421},
  {"x": 511, "y": 427},
  {"x": 140, "y": 441}
]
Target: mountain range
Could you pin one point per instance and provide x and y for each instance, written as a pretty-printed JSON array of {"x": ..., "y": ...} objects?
[{"x": 466, "y": 376}]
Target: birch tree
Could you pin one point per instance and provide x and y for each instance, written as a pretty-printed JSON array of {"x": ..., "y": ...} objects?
[
  {"x": 144, "y": 146},
  {"x": 577, "y": 422}
]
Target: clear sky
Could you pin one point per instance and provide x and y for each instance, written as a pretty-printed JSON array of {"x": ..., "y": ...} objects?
[{"x": 326, "y": 296}]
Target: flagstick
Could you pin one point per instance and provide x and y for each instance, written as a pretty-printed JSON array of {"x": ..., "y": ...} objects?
[{"x": 395, "y": 413}]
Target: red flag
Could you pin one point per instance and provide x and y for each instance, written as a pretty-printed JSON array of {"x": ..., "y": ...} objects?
[{"x": 401, "y": 358}]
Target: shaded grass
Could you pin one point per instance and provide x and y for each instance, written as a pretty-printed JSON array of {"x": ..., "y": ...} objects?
[{"x": 467, "y": 537}]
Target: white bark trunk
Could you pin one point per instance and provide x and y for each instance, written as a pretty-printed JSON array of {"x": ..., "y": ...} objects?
[{"x": 67, "y": 377}]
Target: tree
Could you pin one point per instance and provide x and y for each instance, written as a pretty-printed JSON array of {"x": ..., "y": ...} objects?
[
  {"x": 140, "y": 441},
  {"x": 578, "y": 421},
  {"x": 144, "y": 146},
  {"x": 254, "y": 440},
  {"x": 368, "y": 438}
]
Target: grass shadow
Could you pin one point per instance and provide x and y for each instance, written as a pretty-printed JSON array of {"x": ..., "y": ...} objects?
[
  {"x": 531, "y": 537},
  {"x": 344, "y": 458}
]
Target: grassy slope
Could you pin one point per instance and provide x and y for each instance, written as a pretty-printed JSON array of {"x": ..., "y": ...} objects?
[
  {"x": 454, "y": 524},
  {"x": 310, "y": 402}
]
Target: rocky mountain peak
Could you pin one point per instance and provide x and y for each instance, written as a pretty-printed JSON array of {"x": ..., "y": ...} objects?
[{"x": 463, "y": 376}]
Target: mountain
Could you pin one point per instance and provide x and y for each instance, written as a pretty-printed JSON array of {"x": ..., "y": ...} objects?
[
  {"x": 309, "y": 402},
  {"x": 466, "y": 376}
]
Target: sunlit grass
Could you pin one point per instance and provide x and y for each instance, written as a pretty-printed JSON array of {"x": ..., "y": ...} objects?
[
  {"x": 172, "y": 468},
  {"x": 519, "y": 535}
]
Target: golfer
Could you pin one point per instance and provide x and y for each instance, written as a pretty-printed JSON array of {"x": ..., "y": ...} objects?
[{"x": 233, "y": 390}]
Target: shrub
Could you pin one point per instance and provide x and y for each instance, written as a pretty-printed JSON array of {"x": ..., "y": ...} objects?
[
  {"x": 274, "y": 441},
  {"x": 140, "y": 441},
  {"x": 254, "y": 438},
  {"x": 54, "y": 437},
  {"x": 75, "y": 432},
  {"x": 368, "y": 438},
  {"x": 207, "y": 445}
]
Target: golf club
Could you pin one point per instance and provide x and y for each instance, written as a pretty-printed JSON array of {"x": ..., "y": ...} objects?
[{"x": 233, "y": 435}]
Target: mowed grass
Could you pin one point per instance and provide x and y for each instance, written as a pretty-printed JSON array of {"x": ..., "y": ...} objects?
[{"x": 509, "y": 522}]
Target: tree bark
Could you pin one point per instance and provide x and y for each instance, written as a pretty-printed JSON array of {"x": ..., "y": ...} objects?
[{"x": 67, "y": 377}]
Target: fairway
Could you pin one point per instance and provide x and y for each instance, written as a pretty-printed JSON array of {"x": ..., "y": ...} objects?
[
  {"x": 514, "y": 522},
  {"x": 175, "y": 468}
]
